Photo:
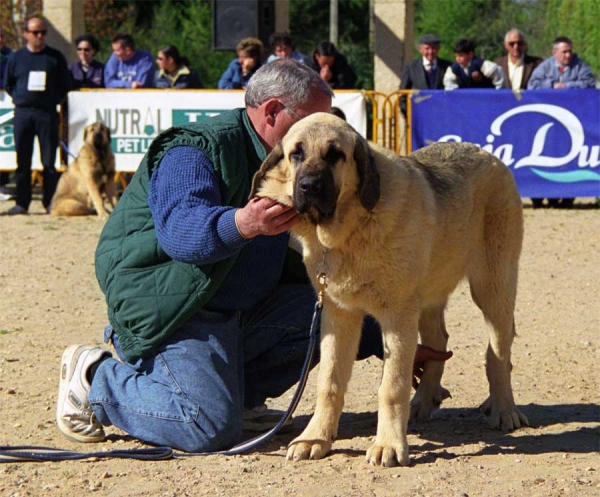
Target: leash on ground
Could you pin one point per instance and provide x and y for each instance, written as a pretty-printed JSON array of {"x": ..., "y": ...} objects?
[{"x": 25, "y": 453}]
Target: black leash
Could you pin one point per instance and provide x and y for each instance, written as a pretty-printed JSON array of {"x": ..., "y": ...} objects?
[{"x": 24, "y": 453}]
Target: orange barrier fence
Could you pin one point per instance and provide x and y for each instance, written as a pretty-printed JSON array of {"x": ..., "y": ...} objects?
[{"x": 389, "y": 127}]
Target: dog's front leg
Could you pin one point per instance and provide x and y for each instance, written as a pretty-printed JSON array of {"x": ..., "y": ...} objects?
[
  {"x": 111, "y": 192},
  {"x": 400, "y": 344},
  {"x": 96, "y": 196},
  {"x": 340, "y": 336}
]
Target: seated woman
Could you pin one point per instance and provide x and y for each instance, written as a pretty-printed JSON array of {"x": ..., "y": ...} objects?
[
  {"x": 241, "y": 69},
  {"x": 86, "y": 72},
  {"x": 173, "y": 70},
  {"x": 332, "y": 66}
]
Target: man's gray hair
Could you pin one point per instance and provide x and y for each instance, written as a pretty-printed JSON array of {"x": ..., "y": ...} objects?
[
  {"x": 290, "y": 81},
  {"x": 514, "y": 30}
]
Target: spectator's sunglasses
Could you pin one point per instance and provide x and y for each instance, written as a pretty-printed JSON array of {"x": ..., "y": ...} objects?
[
  {"x": 513, "y": 43},
  {"x": 37, "y": 33}
]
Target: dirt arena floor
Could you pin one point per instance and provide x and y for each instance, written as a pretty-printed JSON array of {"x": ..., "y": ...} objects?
[{"x": 49, "y": 299}]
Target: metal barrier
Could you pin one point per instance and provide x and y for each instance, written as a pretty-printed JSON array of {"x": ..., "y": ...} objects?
[{"x": 389, "y": 127}]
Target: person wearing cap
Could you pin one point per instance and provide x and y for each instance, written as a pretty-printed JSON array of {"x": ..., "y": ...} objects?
[
  {"x": 425, "y": 72},
  {"x": 517, "y": 65}
]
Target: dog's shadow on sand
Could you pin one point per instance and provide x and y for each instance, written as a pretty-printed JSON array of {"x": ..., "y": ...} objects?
[{"x": 460, "y": 427}]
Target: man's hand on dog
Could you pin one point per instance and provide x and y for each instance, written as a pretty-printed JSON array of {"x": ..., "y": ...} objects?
[
  {"x": 264, "y": 216},
  {"x": 423, "y": 355}
]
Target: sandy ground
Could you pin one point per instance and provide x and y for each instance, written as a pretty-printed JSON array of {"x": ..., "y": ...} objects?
[{"x": 50, "y": 299}]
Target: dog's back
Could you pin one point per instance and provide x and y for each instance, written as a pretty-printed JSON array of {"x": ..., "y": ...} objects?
[{"x": 477, "y": 212}]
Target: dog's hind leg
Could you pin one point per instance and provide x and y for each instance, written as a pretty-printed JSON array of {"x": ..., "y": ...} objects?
[
  {"x": 68, "y": 207},
  {"x": 430, "y": 393},
  {"x": 493, "y": 280}
]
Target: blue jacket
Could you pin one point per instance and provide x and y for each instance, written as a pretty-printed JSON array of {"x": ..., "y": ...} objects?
[
  {"x": 578, "y": 75},
  {"x": 140, "y": 67},
  {"x": 233, "y": 79}
]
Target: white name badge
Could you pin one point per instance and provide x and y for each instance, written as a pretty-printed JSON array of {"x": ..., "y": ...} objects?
[{"x": 37, "y": 81}]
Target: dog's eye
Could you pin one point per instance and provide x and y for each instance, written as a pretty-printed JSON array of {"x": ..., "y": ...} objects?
[
  {"x": 334, "y": 155},
  {"x": 297, "y": 155}
]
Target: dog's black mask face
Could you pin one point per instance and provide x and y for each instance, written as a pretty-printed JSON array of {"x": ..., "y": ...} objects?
[
  {"x": 100, "y": 137},
  {"x": 314, "y": 186}
]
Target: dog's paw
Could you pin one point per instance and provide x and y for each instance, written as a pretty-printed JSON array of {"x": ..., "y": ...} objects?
[
  {"x": 388, "y": 455},
  {"x": 299, "y": 450},
  {"x": 424, "y": 403},
  {"x": 505, "y": 418}
]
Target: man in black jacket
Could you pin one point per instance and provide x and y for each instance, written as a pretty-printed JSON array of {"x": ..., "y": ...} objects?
[
  {"x": 332, "y": 66},
  {"x": 426, "y": 72},
  {"x": 37, "y": 78}
]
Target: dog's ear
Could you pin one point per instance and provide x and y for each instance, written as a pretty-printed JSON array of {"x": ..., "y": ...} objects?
[
  {"x": 368, "y": 187},
  {"x": 274, "y": 158}
]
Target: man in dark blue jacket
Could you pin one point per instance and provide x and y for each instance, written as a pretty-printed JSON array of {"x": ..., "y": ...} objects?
[{"x": 37, "y": 79}]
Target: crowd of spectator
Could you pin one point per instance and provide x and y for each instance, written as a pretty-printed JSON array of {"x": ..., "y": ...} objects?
[{"x": 37, "y": 77}]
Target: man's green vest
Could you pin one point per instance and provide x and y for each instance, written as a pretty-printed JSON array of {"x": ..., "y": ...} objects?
[{"x": 149, "y": 295}]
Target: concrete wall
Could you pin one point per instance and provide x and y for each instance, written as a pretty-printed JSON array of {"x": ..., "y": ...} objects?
[
  {"x": 65, "y": 20},
  {"x": 394, "y": 41}
]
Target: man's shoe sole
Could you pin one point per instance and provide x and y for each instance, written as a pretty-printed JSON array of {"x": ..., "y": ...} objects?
[{"x": 68, "y": 364}]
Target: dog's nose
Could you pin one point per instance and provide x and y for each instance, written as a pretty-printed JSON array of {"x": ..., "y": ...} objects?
[{"x": 311, "y": 185}]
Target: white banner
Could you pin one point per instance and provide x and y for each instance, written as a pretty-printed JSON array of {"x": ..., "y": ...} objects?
[
  {"x": 136, "y": 117},
  {"x": 8, "y": 154}
]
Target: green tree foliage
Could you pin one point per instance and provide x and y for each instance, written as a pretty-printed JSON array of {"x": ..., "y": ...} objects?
[{"x": 12, "y": 16}]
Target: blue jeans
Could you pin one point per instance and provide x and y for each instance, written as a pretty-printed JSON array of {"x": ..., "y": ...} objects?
[{"x": 191, "y": 395}]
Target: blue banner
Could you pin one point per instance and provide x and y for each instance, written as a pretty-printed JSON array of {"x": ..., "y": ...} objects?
[{"x": 550, "y": 139}]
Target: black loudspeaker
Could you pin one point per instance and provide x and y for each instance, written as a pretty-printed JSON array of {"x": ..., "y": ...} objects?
[{"x": 237, "y": 19}]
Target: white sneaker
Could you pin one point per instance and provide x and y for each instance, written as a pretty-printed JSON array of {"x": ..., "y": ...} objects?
[
  {"x": 74, "y": 415},
  {"x": 261, "y": 418},
  {"x": 17, "y": 210}
]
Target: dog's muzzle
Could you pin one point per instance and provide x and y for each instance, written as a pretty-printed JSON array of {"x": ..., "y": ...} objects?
[{"x": 315, "y": 191}]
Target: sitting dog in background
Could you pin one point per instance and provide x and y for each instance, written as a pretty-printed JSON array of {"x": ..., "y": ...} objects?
[
  {"x": 89, "y": 178},
  {"x": 394, "y": 236}
]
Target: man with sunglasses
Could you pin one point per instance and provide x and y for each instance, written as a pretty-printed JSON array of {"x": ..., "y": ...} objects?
[
  {"x": 517, "y": 65},
  {"x": 37, "y": 79}
]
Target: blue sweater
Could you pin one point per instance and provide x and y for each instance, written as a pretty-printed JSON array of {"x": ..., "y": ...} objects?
[
  {"x": 193, "y": 226},
  {"x": 119, "y": 74}
]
